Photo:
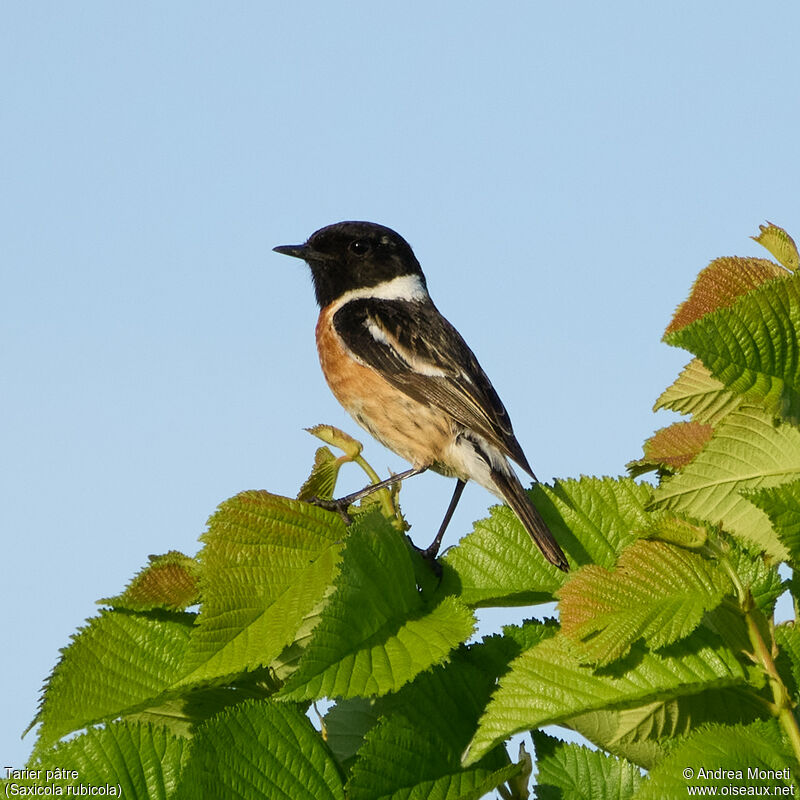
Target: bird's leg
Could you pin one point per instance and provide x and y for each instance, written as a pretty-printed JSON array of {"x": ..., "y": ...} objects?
[
  {"x": 429, "y": 553},
  {"x": 341, "y": 504}
]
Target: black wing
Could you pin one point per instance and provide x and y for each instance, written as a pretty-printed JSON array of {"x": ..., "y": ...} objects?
[{"x": 417, "y": 350}]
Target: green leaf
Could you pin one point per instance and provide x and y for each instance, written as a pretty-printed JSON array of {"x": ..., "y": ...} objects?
[
  {"x": 602, "y": 516},
  {"x": 321, "y": 482},
  {"x": 752, "y": 346},
  {"x": 120, "y": 662},
  {"x": 376, "y": 632},
  {"x": 592, "y": 518},
  {"x": 144, "y": 761},
  {"x": 747, "y": 451},
  {"x": 260, "y": 749},
  {"x": 516, "y": 638},
  {"x": 268, "y": 561},
  {"x": 397, "y": 761},
  {"x": 657, "y": 592},
  {"x": 574, "y": 771},
  {"x": 674, "y": 529},
  {"x": 547, "y": 684},
  {"x": 184, "y": 709},
  {"x": 738, "y": 748},
  {"x": 755, "y": 574},
  {"x": 780, "y": 244},
  {"x": 642, "y": 734},
  {"x": 496, "y": 564},
  {"x": 439, "y": 710},
  {"x": 169, "y": 581},
  {"x": 787, "y": 637},
  {"x": 346, "y": 725},
  {"x": 782, "y": 505},
  {"x": 697, "y": 392},
  {"x": 415, "y": 750}
]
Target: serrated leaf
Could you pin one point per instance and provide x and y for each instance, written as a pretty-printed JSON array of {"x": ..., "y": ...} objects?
[
  {"x": 780, "y": 244},
  {"x": 761, "y": 579},
  {"x": 522, "y": 637},
  {"x": 438, "y": 713},
  {"x": 642, "y": 734},
  {"x": 671, "y": 528},
  {"x": 671, "y": 448},
  {"x": 787, "y": 637},
  {"x": 120, "y": 662},
  {"x": 144, "y": 761},
  {"x": 601, "y": 516},
  {"x": 752, "y": 346},
  {"x": 396, "y": 762},
  {"x": 376, "y": 632},
  {"x": 268, "y": 561},
  {"x": 469, "y": 784},
  {"x": 496, "y": 565},
  {"x": 321, "y": 482},
  {"x": 547, "y": 684},
  {"x": 719, "y": 285},
  {"x": 592, "y": 518},
  {"x": 782, "y": 505},
  {"x": 457, "y": 692},
  {"x": 346, "y": 725},
  {"x": 747, "y": 451},
  {"x": 657, "y": 592},
  {"x": 169, "y": 581},
  {"x": 260, "y": 749},
  {"x": 574, "y": 771},
  {"x": 739, "y": 748},
  {"x": 258, "y": 590},
  {"x": 697, "y": 392},
  {"x": 182, "y": 711}
]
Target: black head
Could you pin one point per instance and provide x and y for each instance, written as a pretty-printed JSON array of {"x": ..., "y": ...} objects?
[{"x": 353, "y": 255}]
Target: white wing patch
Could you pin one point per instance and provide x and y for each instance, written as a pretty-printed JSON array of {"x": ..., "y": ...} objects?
[{"x": 418, "y": 365}]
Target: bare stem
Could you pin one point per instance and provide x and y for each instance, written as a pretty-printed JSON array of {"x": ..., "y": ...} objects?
[
  {"x": 782, "y": 706},
  {"x": 386, "y": 496}
]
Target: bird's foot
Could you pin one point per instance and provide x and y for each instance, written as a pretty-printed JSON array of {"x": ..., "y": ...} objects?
[
  {"x": 429, "y": 556},
  {"x": 340, "y": 506}
]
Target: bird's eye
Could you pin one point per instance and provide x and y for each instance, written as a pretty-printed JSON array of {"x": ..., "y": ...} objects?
[{"x": 359, "y": 247}]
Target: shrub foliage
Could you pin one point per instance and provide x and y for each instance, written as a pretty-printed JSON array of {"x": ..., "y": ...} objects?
[{"x": 203, "y": 678}]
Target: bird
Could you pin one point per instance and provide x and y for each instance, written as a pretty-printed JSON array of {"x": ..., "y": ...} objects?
[{"x": 407, "y": 376}]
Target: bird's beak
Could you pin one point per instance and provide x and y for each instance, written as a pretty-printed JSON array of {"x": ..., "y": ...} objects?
[{"x": 295, "y": 250}]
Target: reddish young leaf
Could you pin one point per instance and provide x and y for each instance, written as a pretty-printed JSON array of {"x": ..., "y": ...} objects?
[
  {"x": 720, "y": 283},
  {"x": 673, "y": 447},
  {"x": 168, "y": 581}
]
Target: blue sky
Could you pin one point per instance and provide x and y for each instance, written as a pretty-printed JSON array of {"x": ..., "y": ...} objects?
[{"x": 562, "y": 171}]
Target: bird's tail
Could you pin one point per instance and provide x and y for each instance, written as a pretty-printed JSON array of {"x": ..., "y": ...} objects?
[{"x": 511, "y": 489}]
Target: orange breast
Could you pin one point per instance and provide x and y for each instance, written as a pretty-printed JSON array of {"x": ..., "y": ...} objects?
[{"x": 416, "y": 432}]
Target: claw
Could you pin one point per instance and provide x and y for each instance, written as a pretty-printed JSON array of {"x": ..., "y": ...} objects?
[
  {"x": 340, "y": 506},
  {"x": 429, "y": 555}
]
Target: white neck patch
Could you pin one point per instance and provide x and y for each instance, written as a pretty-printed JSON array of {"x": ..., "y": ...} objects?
[{"x": 405, "y": 287}]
